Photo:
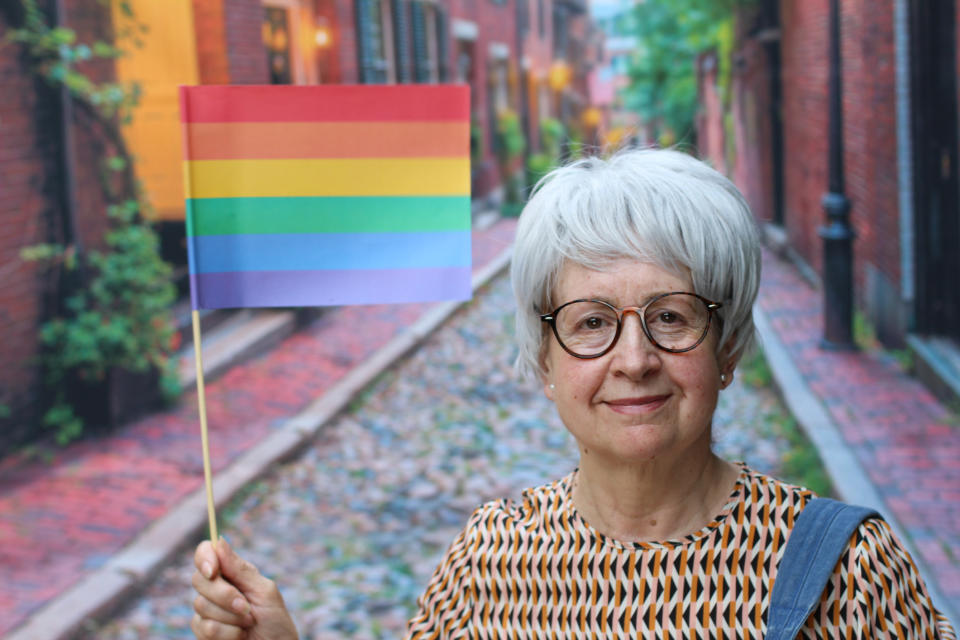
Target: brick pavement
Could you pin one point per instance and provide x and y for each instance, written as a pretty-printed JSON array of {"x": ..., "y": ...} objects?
[
  {"x": 64, "y": 518},
  {"x": 907, "y": 442}
]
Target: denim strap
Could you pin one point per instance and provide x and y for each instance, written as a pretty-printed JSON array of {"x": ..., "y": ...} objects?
[{"x": 819, "y": 537}]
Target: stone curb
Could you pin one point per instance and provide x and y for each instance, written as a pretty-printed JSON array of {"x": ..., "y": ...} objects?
[
  {"x": 249, "y": 336},
  {"x": 849, "y": 478},
  {"x": 103, "y": 591}
]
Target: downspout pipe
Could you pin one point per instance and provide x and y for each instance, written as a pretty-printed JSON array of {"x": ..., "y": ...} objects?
[
  {"x": 901, "y": 34},
  {"x": 68, "y": 202}
]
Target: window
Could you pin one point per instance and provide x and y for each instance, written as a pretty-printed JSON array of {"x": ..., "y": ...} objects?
[
  {"x": 375, "y": 43},
  {"x": 276, "y": 40},
  {"x": 430, "y": 36},
  {"x": 289, "y": 41}
]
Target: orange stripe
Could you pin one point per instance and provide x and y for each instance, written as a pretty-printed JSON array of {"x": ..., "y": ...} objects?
[{"x": 274, "y": 140}]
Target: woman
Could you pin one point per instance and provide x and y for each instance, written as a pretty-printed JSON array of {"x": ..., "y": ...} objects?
[{"x": 635, "y": 278}]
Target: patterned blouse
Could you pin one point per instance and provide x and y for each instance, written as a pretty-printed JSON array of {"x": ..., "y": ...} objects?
[{"x": 537, "y": 569}]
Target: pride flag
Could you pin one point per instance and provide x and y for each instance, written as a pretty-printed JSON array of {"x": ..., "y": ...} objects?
[{"x": 327, "y": 195}]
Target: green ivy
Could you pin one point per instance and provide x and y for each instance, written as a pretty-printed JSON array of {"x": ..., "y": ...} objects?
[
  {"x": 118, "y": 314},
  {"x": 663, "y": 78},
  {"x": 510, "y": 139}
]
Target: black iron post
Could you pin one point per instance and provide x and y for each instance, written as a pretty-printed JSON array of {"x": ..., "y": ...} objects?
[{"x": 837, "y": 234}]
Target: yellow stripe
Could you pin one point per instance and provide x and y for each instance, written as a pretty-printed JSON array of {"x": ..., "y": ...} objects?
[{"x": 329, "y": 177}]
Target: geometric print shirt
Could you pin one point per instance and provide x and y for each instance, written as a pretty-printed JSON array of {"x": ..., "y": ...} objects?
[{"x": 536, "y": 569}]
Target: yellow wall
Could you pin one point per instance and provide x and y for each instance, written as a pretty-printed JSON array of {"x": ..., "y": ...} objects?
[{"x": 167, "y": 59}]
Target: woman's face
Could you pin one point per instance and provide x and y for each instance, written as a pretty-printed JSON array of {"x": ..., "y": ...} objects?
[{"x": 637, "y": 402}]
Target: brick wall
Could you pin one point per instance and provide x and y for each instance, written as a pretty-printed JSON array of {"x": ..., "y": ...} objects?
[
  {"x": 31, "y": 213},
  {"x": 752, "y": 127},
  {"x": 710, "y": 135},
  {"x": 245, "y": 53},
  {"x": 209, "y": 24},
  {"x": 27, "y": 142},
  {"x": 495, "y": 23},
  {"x": 92, "y": 21},
  {"x": 345, "y": 42},
  {"x": 869, "y": 133},
  {"x": 805, "y": 114}
]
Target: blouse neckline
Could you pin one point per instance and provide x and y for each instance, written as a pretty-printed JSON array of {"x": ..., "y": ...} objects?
[{"x": 582, "y": 526}]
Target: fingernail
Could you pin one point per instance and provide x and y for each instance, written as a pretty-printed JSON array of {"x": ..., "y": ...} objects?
[
  {"x": 239, "y": 605},
  {"x": 207, "y": 570}
]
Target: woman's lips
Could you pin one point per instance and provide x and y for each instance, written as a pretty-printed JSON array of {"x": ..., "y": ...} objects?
[{"x": 644, "y": 404}]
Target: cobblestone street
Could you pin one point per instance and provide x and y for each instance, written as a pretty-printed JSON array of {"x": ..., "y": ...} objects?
[{"x": 353, "y": 528}]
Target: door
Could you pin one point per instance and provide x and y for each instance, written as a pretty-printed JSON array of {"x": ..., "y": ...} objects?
[{"x": 937, "y": 219}]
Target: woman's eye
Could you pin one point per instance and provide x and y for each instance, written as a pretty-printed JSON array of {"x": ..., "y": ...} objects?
[
  {"x": 593, "y": 323},
  {"x": 668, "y": 317}
]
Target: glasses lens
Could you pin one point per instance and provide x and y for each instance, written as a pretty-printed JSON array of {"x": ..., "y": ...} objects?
[
  {"x": 677, "y": 321},
  {"x": 586, "y": 328}
]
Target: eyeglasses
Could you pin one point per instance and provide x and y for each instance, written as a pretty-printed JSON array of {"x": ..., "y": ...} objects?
[{"x": 676, "y": 322}]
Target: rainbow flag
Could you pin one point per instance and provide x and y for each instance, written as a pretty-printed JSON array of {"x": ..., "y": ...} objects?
[{"x": 327, "y": 195}]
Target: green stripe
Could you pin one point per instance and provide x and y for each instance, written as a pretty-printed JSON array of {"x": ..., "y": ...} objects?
[{"x": 231, "y": 216}]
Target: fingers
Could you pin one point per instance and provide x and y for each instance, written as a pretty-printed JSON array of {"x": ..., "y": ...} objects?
[
  {"x": 206, "y": 561},
  {"x": 222, "y": 595},
  {"x": 238, "y": 615},
  {"x": 206, "y": 629},
  {"x": 240, "y": 572}
]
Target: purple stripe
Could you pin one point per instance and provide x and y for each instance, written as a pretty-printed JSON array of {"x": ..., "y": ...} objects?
[{"x": 325, "y": 288}]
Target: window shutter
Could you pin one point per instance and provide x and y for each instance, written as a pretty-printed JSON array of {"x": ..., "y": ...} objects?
[
  {"x": 401, "y": 41},
  {"x": 366, "y": 46},
  {"x": 421, "y": 57},
  {"x": 443, "y": 45}
]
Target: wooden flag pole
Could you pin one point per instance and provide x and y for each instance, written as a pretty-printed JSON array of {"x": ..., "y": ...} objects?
[{"x": 205, "y": 442}]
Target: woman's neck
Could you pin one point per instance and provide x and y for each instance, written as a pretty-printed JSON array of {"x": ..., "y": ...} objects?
[{"x": 656, "y": 500}]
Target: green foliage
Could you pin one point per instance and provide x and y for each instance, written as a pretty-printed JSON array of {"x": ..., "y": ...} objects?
[
  {"x": 510, "y": 139},
  {"x": 56, "y": 55},
  {"x": 476, "y": 142},
  {"x": 552, "y": 134},
  {"x": 117, "y": 315},
  {"x": 538, "y": 165},
  {"x": 755, "y": 371},
  {"x": 801, "y": 463},
  {"x": 510, "y": 145},
  {"x": 663, "y": 79},
  {"x": 121, "y": 320}
]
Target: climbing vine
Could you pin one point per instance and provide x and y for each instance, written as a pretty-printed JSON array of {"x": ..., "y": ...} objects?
[{"x": 114, "y": 311}]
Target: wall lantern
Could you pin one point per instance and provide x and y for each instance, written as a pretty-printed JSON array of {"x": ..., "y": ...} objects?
[
  {"x": 322, "y": 36},
  {"x": 559, "y": 76},
  {"x": 591, "y": 117}
]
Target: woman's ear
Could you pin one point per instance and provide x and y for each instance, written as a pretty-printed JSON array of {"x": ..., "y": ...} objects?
[
  {"x": 548, "y": 388},
  {"x": 727, "y": 361}
]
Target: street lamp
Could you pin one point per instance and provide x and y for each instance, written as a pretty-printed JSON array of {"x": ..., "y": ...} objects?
[{"x": 837, "y": 234}]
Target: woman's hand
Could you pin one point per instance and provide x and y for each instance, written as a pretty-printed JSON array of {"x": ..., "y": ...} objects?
[{"x": 234, "y": 601}]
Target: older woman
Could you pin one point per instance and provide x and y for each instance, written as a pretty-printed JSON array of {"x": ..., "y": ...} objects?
[{"x": 635, "y": 278}]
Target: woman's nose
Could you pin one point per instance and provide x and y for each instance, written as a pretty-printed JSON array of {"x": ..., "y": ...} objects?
[{"x": 634, "y": 351}]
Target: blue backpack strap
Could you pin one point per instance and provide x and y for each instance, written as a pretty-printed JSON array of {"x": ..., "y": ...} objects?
[{"x": 818, "y": 540}]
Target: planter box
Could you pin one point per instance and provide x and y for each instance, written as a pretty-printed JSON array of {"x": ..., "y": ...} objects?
[{"x": 119, "y": 398}]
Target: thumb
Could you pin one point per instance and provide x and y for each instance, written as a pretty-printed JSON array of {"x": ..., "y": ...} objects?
[{"x": 242, "y": 574}]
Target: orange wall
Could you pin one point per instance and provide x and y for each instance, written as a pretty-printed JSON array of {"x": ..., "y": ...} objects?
[{"x": 167, "y": 59}]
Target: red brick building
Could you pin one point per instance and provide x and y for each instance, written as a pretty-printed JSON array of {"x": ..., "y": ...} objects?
[
  {"x": 899, "y": 74},
  {"x": 507, "y": 50},
  {"x": 49, "y": 192}
]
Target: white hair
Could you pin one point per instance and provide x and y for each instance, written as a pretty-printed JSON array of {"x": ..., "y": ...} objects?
[{"x": 657, "y": 206}]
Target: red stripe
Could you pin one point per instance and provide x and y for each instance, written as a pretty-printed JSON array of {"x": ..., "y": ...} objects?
[{"x": 325, "y": 103}]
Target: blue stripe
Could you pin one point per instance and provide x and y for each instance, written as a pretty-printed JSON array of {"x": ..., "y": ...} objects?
[{"x": 315, "y": 251}]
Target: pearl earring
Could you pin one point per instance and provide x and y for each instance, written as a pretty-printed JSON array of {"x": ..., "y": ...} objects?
[
  {"x": 553, "y": 386},
  {"x": 723, "y": 378}
]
